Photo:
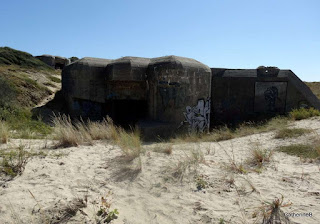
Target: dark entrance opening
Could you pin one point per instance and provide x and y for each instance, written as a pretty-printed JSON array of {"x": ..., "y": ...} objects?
[{"x": 127, "y": 113}]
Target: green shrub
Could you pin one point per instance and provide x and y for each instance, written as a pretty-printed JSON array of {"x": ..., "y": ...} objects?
[
  {"x": 303, "y": 113},
  {"x": 9, "y": 56}
]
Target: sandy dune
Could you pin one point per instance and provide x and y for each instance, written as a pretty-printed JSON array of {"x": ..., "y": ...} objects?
[{"x": 145, "y": 190}]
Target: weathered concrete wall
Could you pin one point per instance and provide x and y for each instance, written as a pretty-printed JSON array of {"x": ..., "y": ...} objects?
[
  {"x": 84, "y": 86},
  {"x": 126, "y": 90},
  {"x": 244, "y": 94},
  {"x": 126, "y": 79},
  {"x": 179, "y": 92}
]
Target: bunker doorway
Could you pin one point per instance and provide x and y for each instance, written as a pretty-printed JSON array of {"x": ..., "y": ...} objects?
[{"x": 127, "y": 113}]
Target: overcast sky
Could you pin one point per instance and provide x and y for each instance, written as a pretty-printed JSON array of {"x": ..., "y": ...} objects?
[{"x": 219, "y": 33}]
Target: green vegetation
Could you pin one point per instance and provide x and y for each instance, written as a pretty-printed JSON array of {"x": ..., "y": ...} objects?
[
  {"x": 306, "y": 151},
  {"x": 13, "y": 161},
  {"x": 291, "y": 132},
  {"x": 20, "y": 90},
  {"x": 54, "y": 79},
  {"x": 304, "y": 113},
  {"x": 9, "y": 56}
]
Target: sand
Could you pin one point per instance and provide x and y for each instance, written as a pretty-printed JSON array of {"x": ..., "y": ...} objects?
[{"x": 66, "y": 185}]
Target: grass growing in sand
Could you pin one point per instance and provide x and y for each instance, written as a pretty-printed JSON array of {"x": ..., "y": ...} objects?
[
  {"x": 306, "y": 151},
  {"x": 291, "y": 132},
  {"x": 260, "y": 157},
  {"x": 188, "y": 165},
  {"x": 70, "y": 134},
  {"x": 4, "y": 132},
  {"x": 225, "y": 133},
  {"x": 13, "y": 161}
]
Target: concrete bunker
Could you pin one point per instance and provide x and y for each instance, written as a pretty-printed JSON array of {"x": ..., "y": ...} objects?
[
  {"x": 56, "y": 62},
  {"x": 179, "y": 93},
  {"x": 167, "y": 94},
  {"x": 84, "y": 87},
  {"x": 248, "y": 94},
  {"x": 126, "y": 92}
]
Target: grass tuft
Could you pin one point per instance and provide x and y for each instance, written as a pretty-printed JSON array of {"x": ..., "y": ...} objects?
[
  {"x": 65, "y": 132},
  {"x": 14, "y": 161},
  {"x": 70, "y": 134},
  {"x": 129, "y": 142},
  {"x": 259, "y": 157}
]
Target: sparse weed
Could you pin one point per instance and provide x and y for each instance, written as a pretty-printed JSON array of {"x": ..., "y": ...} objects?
[
  {"x": 235, "y": 166},
  {"x": 4, "y": 132},
  {"x": 271, "y": 211},
  {"x": 14, "y": 161},
  {"x": 201, "y": 182},
  {"x": 188, "y": 165},
  {"x": 259, "y": 157},
  {"x": 104, "y": 214}
]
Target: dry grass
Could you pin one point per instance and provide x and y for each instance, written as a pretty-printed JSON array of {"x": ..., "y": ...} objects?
[
  {"x": 102, "y": 130},
  {"x": 65, "y": 132},
  {"x": 164, "y": 148},
  {"x": 129, "y": 142},
  {"x": 291, "y": 132},
  {"x": 71, "y": 134},
  {"x": 4, "y": 132},
  {"x": 260, "y": 157},
  {"x": 233, "y": 165}
]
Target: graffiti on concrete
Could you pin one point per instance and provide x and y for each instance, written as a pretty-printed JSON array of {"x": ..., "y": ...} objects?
[
  {"x": 171, "y": 93},
  {"x": 271, "y": 95},
  {"x": 198, "y": 117}
]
